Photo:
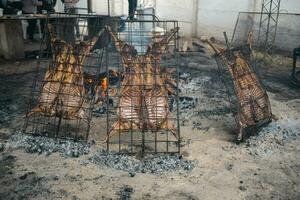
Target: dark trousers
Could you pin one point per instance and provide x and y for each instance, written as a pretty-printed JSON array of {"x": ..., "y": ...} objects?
[
  {"x": 31, "y": 26},
  {"x": 74, "y": 11},
  {"x": 132, "y": 8}
]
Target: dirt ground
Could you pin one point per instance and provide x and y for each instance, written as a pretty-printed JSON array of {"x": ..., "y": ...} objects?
[{"x": 263, "y": 167}]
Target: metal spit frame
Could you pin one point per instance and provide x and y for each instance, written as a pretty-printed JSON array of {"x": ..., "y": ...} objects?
[
  {"x": 229, "y": 85},
  {"x": 57, "y": 126},
  {"x": 124, "y": 143}
]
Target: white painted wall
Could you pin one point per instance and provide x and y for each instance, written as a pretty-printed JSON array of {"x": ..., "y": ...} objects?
[
  {"x": 59, "y": 7},
  {"x": 208, "y": 17},
  {"x": 177, "y": 10},
  {"x": 217, "y": 16}
]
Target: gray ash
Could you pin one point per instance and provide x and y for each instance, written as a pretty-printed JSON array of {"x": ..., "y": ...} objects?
[
  {"x": 220, "y": 111},
  {"x": 273, "y": 138},
  {"x": 153, "y": 164},
  {"x": 99, "y": 112},
  {"x": 193, "y": 84},
  {"x": 125, "y": 192},
  {"x": 47, "y": 146},
  {"x": 187, "y": 102}
]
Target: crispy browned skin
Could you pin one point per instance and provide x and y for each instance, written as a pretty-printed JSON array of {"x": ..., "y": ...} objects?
[
  {"x": 253, "y": 102},
  {"x": 143, "y": 103},
  {"x": 62, "y": 91}
]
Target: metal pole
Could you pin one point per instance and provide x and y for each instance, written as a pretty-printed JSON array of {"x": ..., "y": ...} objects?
[
  {"x": 268, "y": 24},
  {"x": 108, "y": 7}
]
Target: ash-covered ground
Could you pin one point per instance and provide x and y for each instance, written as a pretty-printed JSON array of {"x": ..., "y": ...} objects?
[
  {"x": 154, "y": 164},
  {"x": 211, "y": 165}
]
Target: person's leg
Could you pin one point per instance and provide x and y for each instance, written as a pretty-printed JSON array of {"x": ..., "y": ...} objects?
[
  {"x": 134, "y": 5},
  {"x": 130, "y": 9},
  {"x": 31, "y": 28},
  {"x": 75, "y": 12}
]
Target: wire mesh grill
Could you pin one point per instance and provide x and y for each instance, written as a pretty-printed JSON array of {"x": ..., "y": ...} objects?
[
  {"x": 286, "y": 37},
  {"x": 142, "y": 88},
  {"x": 62, "y": 95},
  {"x": 249, "y": 102}
]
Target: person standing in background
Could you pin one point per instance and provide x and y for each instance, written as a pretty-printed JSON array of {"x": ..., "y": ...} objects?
[
  {"x": 30, "y": 7},
  {"x": 132, "y": 8},
  {"x": 70, "y": 8}
]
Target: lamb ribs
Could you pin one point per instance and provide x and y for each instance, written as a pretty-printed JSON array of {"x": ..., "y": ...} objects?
[
  {"x": 62, "y": 93},
  {"x": 61, "y": 105},
  {"x": 251, "y": 102},
  {"x": 143, "y": 103}
]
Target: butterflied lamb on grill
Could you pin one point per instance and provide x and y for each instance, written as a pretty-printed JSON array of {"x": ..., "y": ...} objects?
[
  {"x": 143, "y": 103},
  {"x": 253, "y": 106},
  {"x": 62, "y": 93}
]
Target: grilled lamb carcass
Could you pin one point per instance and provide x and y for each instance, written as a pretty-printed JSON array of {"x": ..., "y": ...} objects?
[
  {"x": 143, "y": 104},
  {"x": 254, "y": 108},
  {"x": 62, "y": 91}
]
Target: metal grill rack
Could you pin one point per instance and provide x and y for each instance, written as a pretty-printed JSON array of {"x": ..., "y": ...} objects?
[
  {"x": 244, "y": 100},
  {"x": 144, "y": 97},
  {"x": 62, "y": 96}
]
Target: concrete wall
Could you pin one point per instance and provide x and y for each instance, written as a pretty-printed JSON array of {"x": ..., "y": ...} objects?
[
  {"x": 177, "y": 10},
  {"x": 213, "y": 17},
  {"x": 217, "y": 16},
  {"x": 59, "y": 7}
]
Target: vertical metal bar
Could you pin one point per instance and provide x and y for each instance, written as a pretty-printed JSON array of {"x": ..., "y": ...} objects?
[
  {"x": 107, "y": 99},
  {"x": 260, "y": 21},
  {"x": 294, "y": 62},
  {"x": 177, "y": 88},
  {"x": 226, "y": 40},
  {"x": 119, "y": 117},
  {"x": 156, "y": 66},
  {"x": 235, "y": 27},
  {"x": 276, "y": 22},
  {"x": 108, "y": 7},
  {"x": 132, "y": 106},
  {"x": 268, "y": 26}
]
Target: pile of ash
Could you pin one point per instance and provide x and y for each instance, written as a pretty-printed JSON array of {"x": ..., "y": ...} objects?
[
  {"x": 189, "y": 84},
  {"x": 187, "y": 102},
  {"x": 154, "y": 164},
  {"x": 125, "y": 192},
  {"x": 47, "y": 146},
  {"x": 273, "y": 138},
  {"x": 100, "y": 111}
]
